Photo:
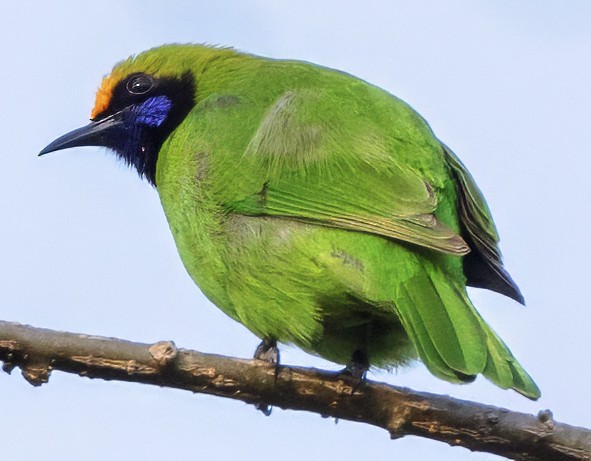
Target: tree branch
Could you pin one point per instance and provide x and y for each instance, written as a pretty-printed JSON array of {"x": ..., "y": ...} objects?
[{"x": 400, "y": 411}]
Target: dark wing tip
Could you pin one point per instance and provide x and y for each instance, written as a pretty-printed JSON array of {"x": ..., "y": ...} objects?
[{"x": 485, "y": 272}]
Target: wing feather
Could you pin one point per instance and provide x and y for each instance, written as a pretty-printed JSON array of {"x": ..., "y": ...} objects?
[{"x": 484, "y": 265}]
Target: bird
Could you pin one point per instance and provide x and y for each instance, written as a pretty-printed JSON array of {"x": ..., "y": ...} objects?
[{"x": 313, "y": 207}]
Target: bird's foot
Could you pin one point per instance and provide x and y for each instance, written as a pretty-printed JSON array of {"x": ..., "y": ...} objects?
[
  {"x": 357, "y": 369},
  {"x": 268, "y": 351}
]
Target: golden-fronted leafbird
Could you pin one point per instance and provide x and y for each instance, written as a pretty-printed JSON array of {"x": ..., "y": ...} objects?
[{"x": 312, "y": 207}]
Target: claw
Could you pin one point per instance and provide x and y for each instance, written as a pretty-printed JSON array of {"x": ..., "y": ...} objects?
[
  {"x": 357, "y": 369},
  {"x": 267, "y": 350}
]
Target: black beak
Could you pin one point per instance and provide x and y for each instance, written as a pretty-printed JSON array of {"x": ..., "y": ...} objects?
[{"x": 107, "y": 132}]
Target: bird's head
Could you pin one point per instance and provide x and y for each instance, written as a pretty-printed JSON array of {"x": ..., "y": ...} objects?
[{"x": 138, "y": 106}]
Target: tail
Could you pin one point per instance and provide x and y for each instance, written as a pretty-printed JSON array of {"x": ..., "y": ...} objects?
[
  {"x": 450, "y": 336},
  {"x": 504, "y": 370}
]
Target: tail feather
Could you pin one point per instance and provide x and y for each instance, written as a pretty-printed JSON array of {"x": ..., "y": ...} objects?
[
  {"x": 444, "y": 326},
  {"x": 451, "y": 338},
  {"x": 427, "y": 351},
  {"x": 504, "y": 370}
]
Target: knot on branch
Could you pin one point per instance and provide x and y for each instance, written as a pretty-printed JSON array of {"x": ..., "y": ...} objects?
[
  {"x": 36, "y": 374},
  {"x": 164, "y": 352},
  {"x": 35, "y": 368},
  {"x": 547, "y": 418}
]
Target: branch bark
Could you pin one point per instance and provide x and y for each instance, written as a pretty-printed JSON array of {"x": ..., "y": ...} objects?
[{"x": 400, "y": 411}]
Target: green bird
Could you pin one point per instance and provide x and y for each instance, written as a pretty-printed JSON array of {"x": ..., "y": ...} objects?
[{"x": 312, "y": 207}]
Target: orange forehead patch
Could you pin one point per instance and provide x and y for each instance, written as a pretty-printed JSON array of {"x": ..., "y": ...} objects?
[{"x": 103, "y": 96}]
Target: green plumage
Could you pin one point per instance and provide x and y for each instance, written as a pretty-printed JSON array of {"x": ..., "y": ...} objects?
[{"x": 319, "y": 210}]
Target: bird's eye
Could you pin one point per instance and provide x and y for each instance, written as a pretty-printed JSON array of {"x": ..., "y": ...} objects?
[{"x": 140, "y": 84}]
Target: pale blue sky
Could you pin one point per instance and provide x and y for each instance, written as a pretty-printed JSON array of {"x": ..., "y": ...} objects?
[{"x": 85, "y": 246}]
